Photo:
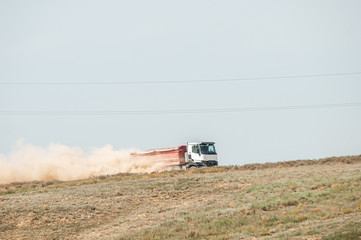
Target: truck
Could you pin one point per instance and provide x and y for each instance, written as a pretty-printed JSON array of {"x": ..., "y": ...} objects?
[{"x": 191, "y": 155}]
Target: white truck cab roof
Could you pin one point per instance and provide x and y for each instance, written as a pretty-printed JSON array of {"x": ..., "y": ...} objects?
[{"x": 195, "y": 143}]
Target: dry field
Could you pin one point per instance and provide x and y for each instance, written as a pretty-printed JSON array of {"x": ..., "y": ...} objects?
[{"x": 290, "y": 200}]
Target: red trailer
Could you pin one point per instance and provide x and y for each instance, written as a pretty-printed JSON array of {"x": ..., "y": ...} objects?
[{"x": 164, "y": 156}]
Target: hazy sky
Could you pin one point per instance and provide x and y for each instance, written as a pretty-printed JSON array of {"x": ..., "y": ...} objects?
[{"x": 110, "y": 41}]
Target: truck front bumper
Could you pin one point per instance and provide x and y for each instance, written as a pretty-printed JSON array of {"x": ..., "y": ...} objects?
[{"x": 210, "y": 163}]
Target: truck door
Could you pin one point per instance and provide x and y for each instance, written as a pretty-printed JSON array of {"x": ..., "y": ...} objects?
[{"x": 196, "y": 153}]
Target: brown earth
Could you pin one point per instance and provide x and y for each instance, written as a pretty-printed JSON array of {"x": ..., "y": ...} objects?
[{"x": 304, "y": 199}]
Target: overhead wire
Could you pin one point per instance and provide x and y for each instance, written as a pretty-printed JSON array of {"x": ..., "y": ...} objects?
[
  {"x": 184, "y": 81},
  {"x": 177, "y": 111}
]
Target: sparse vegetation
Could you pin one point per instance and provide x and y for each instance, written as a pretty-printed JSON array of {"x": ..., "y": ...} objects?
[{"x": 289, "y": 200}]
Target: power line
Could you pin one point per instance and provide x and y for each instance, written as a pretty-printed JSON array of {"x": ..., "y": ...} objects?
[
  {"x": 183, "y": 81},
  {"x": 179, "y": 111}
]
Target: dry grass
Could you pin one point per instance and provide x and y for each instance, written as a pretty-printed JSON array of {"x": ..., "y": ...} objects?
[{"x": 289, "y": 200}]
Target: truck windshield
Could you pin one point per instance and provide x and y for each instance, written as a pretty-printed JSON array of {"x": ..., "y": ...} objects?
[{"x": 208, "y": 149}]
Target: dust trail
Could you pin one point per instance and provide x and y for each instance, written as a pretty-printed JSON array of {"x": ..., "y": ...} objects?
[{"x": 27, "y": 162}]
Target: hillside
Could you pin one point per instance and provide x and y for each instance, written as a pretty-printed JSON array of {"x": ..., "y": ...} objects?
[{"x": 287, "y": 200}]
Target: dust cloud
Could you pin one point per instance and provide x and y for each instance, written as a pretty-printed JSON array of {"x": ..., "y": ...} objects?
[{"x": 27, "y": 162}]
